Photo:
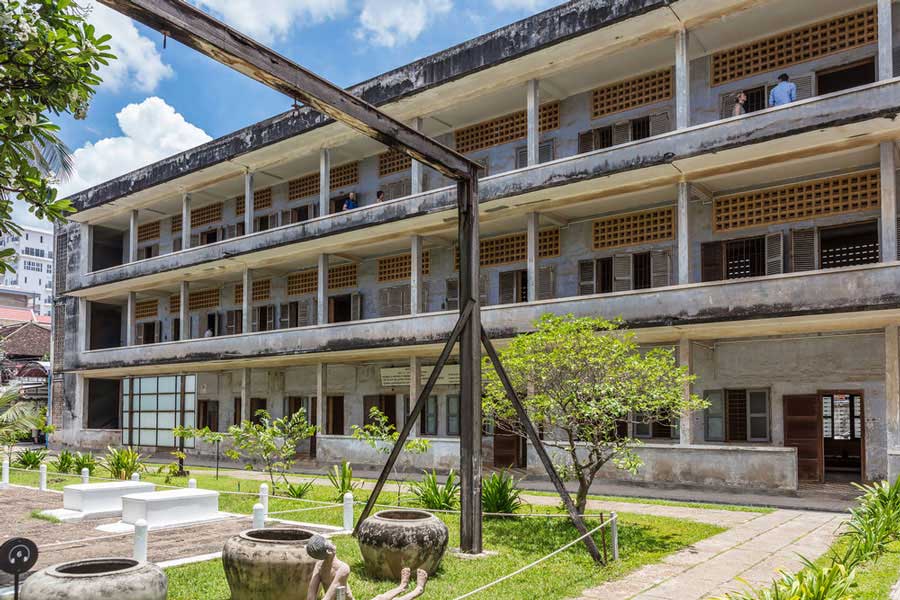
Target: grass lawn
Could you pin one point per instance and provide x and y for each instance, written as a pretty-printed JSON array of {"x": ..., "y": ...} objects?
[{"x": 874, "y": 580}]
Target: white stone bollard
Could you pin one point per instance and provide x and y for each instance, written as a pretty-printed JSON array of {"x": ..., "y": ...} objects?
[
  {"x": 135, "y": 476},
  {"x": 140, "y": 540},
  {"x": 348, "y": 511},
  {"x": 264, "y": 497},
  {"x": 614, "y": 535},
  {"x": 42, "y": 481},
  {"x": 259, "y": 516},
  {"x": 192, "y": 484},
  {"x": 85, "y": 475},
  {"x": 5, "y": 472}
]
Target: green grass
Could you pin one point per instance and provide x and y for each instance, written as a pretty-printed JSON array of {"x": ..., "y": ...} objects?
[
  {"x": 643, "y": 540},
  {"x": 661, "y": 502},
  {"x": 36, "y": 514},
  {"x": 874, "y": 579}
]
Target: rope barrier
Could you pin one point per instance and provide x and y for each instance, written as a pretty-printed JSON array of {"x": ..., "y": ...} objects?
[
  {"x": 296, "y": 510},
  {"x": 491, "y": 514}
]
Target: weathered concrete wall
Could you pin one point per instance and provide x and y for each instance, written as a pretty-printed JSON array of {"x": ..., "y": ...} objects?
[{"x": 443, "y": 454}]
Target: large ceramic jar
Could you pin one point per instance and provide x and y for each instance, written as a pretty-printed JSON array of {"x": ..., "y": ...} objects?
[
  {"x": 268, "y": 564},
  {"x": 393, "y": 539},
  {"x": 97, "y": 579}
]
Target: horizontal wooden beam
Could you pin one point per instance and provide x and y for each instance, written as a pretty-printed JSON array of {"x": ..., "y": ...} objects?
[{"x": 196, "y": 29}]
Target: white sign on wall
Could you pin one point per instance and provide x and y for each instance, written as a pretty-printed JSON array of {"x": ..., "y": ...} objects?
[{"x": 394, "y": 377}]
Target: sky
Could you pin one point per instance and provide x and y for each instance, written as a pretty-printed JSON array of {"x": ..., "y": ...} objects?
[{"x": 155, "y": 101}]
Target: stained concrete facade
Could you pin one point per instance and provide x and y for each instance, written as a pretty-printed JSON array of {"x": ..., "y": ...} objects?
[{"x": 793, "y": 328}]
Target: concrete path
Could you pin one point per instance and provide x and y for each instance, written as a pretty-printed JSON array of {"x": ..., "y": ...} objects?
[{"x": 754, "y": 551}]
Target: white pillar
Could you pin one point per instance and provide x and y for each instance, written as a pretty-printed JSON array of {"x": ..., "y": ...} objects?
[
  {"x": 348, "y": 511},
  {"x": 85, "y": 248},
  {"x": 415, "y": 277},
  {"x": 415, "y": 388},
  {"x": 185, "y": 221},
  {"x": 130, "y": 319},
  {"x": 42, "y": 478},
  {"x": 686, "y": 428},
  {"x": 248, "y": 202},
  {"x": 417, "y": 172},
  {"x": 322, "y": 395},
  {"x": 132, "y": 236},
  {"x": 324, "y": 181},
  {"x": 892, "y": 397},
  {"x": 533, "y": 116},
  {"x": 322, "y": 290},
  {"x": 192, "y": 484},
  {"x": 259, "y": 516},
  {"x": 682, "y": 80},
  {"x": 264, "y": 497},
  {"x": 888, "y": 202},
  {"x": 885, "y": 40},
  {"x": 136, "y": 476},
  {"x": 85, "y": 475},
  {"x": 247, "y": 289},
  {"x": 184, "y": 317},
  {"x": 140, "y": 540},
  {"x": 684, "y": 233},
  {"x": 532, "y": 254},
  {"x": 246, "y": 380}
]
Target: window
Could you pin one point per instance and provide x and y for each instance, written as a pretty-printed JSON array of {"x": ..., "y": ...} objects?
[
  {"x": 640, "y": 128},
  {"x": 849, "y": 245},
  {"x": 428, "y": 422},
  {"x": 102, "y": 403},
  {"x": 595, "y": 276},
  {"x": 299, "y": 214},
  {"x": 335, "y": 417},
  {"x": 238, "y": 410},
  {"x": 208, "y": 414},
  {"x": 264, "y": 318},
  {"x": 153, "y": 406},
  {"x": 745, "y": 257},
  {"x": 641, "y": 271},
  {"x": 842, "y": 416},
  {"x": 294, "y": 404},
  {"x": 344, "y": 307},
  {"x": 33, "y": 265},
  {"x": 148, "y": 251},
  {"x": 513, "y": 286},
  {"x": 595, "y": 139},
  {"x": 846, "y": 77},
  {"x": 262, "y": 223},
  {"x": 545, "y": 154},
  {"x": 256, "y": 405},
  {"x": 209, "y": 237},
  {"x": 737, "y": 416},
  {"x": 651, "y": 430},
  {"x": 453, "y": 414}
]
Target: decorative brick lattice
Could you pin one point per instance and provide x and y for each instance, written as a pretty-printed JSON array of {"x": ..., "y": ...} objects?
[
  {"x": 146, "y": 309},
  {"x": 176, "y": 223},
  {"x": 393, "y": 161},
  {"x": 797, "y": 46},
  {"x": 308, "y": 185},
  {"x": 175, "y": 304},
  {"x": 342, "y": 276},
  {"x": 513, "y": 248},
  {"x": 205, "y": 215},
  {"x": 148, "y": 231},
  {"x": 796, "y": 202},
  {"x": 261, "y": 290},
  {"x": 262, "y": 199},
  {"x": 203, "y": 299},
  {"x": 398, "y": 268},
  {"x": 632, "y": 93},
  {"x": 305, "y": 282},
  {"x": 344, "y": 175},
  {"x": 505, "y": 129},
  {"x": 634, "y": 229}
]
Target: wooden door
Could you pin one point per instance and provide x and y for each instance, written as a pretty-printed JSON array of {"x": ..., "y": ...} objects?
[
  {"x": 803, "y": 431},
  {"x": 508, "y": 450}
]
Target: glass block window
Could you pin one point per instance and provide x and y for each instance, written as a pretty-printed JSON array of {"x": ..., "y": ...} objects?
[
  {"x": 505, "y": 129},
  {"x": 633, "y": 229},
  {"x": 146, "y": 309},
  {"x": 393, "y": 161},
  {"x": 153, "y": 406},
  {"x": 305, "y": 282},
  {"x": 632, "y": 93},
  {"x": 148, "y": 231}
]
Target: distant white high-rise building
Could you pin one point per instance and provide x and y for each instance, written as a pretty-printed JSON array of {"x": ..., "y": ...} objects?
[{"x": 33, "y": 264}]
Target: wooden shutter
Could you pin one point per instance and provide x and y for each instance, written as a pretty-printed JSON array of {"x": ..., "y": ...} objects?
[
  {"x": 229, "y": 322},
  {"x": 507, "y": 287},
  {"x": 545, "y": 152},
  {"x": 254, "y": 320},
  {"x": 622, "y": 272},
  {"x": 195, "y": 240},
  {"x": 805, "y": 86},
  {"x": 546, "y": 283},
  {"x": 139, "y": 333},
  {"x": 452, "y": 294},
  {"x": 284, "y": 316},
  {"x": 270, "y": 317},
  {"x": 660, "y": 124},
  {"x": 482, "y": 290},
  {"x": 803, "y": 250},
  {"x": 587, "y": 273},
  {"x": 393, "y": 301},
  {"x": 287, "y": 217},
  {"x": 157, "y": 332},
  {"x": 585, "y": 142},
  {"x": 660, "y": 269},
  {"x": 405, "y": 302},
  {"x": 712, "y": 261},
  {"x": 355, "y": 306},
  {"x": 621, "y": 133},
  {"x": 521, "y": 158},
  {"x": 803, "y": 431},
  {"x": 775, "y": 254},
  {"x": 305, "y": 313}
]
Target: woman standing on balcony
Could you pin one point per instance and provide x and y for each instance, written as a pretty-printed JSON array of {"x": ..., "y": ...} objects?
[{"x": 740, "y": 107}]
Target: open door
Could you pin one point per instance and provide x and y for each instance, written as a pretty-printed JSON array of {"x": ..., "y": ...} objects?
[{"x": 803, "y": 431}]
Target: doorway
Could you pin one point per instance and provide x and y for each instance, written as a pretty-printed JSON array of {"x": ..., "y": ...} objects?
[
  {"x": 843, "y": 435},
  {"x": 510, "y": 450},
  {"x": 846, "y": 77},
  {"x": 803, "y": 431}
]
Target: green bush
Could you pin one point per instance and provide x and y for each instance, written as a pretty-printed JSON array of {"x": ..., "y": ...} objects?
[
  {"x": 85, "y": 460},
  {"x": 814, "y": 582},
  {"x": 31, "y": 458},
  {"x": 500, "y": 494},
  {"x": 122, "y": 463},
  {"x": 341, "y": 478},
  {"x": 295, "y": 490},
  {"x": 430, "y": 494},
  {"x": 64, "y": 463}
]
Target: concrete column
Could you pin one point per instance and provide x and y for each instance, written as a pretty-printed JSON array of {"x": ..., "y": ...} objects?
[
  {"x": 246, "y": 322},
  {"x": 892, "y": 398},
  {"x": 132, "y": 236},
  {"x": 533, "y": 116},
  {"x": 185, "y": 221},
  {"x": 682, "y": 80},
  {"x": 888, "y": 202},
  {"x": 885, "y": 40},
  {"x": 85, "y": 248},
  {"x": 84, "y": 325},
  {"x": 416, "y": 297},
  {"x": 415, "y": 387},
  {"x": 687, "y": 419},
  {"x": 183, "y": 313},
  {"x": 417, "y": 173},
  {"x": 322, "y": 395},
  {"x": 129, "y": 319},
  {"x": 246, "y": 382},
  {"x": 324, "y": 181},
  {"x": 322, "y": 290},
  {"x": 684, "y": 233},
  {"x": 532, "y": 253},
  {"x": 248, "y": 202}
]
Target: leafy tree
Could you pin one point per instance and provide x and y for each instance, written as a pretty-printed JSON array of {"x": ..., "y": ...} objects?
[
  {"x": 584, "y": 380},
  {"x": 49, "y": 62},
  {"x": 207, "y": 435},
  {"x": 271, "y": 442},
  {"x": 17, "y": 419}
]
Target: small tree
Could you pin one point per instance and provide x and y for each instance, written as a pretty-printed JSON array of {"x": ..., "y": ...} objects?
[
  {"x": 271, "y": 442},
  {"x": 18, "y": 419},
  {"x": 584, "y": 380},
  {"x": 207, "y": 435}
]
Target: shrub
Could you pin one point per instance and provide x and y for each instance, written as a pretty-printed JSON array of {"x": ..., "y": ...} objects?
[
  {"x": 341, "y": 478},
  {"x": 31, "y": 458},
  {"x": 122, "y": 463},
  {"x": 296, "y": 490},
  {"x": 430, "y": 494},
  {"x": 64, "y": 463},
  {"x": 499, "y": 494},
  {"x": 833, "y": 582},
  {"x": 85, "y": 461}
]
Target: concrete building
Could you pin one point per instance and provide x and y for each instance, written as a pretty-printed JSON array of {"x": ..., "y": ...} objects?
[
  {"x": 617, "y": 181},
  {"x": 33, "y": 267}
]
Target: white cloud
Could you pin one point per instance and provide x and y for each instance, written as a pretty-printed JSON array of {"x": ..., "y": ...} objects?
[
  {"x": 530, "y": 5},
  {"x": 152, "y": 130},
  {"x": 271, "y": 21},
  {"x": 138, "y": 63},
  {"x": 398, "y": 22}
]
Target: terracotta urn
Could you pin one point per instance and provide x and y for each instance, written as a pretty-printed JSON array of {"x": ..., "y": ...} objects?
[
  {"x": 393, "y": 539},
  {"x": 97, "y": 579},
  {"x": 268, "y": 564}
]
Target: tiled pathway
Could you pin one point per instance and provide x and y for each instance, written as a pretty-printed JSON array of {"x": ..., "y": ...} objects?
[{"x": 754, "y": 551}]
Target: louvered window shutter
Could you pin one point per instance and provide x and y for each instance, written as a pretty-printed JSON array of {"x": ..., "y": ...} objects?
[
  {"x": 659, "y": 124},
  {"x": 424, "y": 297},
  {"x": 586, "y": 277},
  {"x": 545, "y": 152},
  {"x": 274, "y": 220},
  {"x": 287, "y": 217},
  {"x": 176, "y": 244},
  {"x": 712, "y": 261},
  {"x": 482, "y": 290},
  {"x": 230, "y": 232},
  {"x": 805, "y": 86},
  {"x": 622, "y": 267},
  {"x": 896, "y": 61},
  {"x": 507, "y": 287},
  {"x": 453, "y": 294},
  {"x": 284, "y": 316},
  {"x": 240, "y": 228},
  {"x": 622, "y": 132},
  {"x": 157, "y": 332},
  {"x": 384, "y": 302},
  {"x": 546, "y": 283},
  {"x": 585, "y": 142},
  {"x": 355, "y": 307},
  {"x": 139, "y": 334},
  {"x": 774, "y": 254},
  {"x": 727, "y": 105},
  {"x": 254, "y": 324},
  {"x": 195, "y": 240},
  {"x": 239, "y": 321},
  {"x": 405, "y": 306},
  {"x": 229, "y": 323},
  {"x": 803, "y": 250},
  {"x": 521, "y": 158},
  {"x": 660, "y": 269},
  {"x": 270, "y": 317}
]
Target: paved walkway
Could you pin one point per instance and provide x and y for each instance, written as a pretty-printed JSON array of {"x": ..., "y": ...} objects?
[{"x": 754, "y": 551}]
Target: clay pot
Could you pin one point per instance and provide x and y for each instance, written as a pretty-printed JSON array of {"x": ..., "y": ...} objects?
[
  {"x": 268, "y": 564},
  {"x": 97, "y": 579},
  {"x": 393, "y": 539}
]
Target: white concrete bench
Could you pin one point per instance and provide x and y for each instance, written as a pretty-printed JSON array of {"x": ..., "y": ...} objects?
[
  {"x": 171, "y": 507},
  {"x": 97, "y": 500}
]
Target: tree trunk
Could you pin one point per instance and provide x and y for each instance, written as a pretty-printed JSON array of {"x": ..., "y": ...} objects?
[{"x": 581, "y": 496}]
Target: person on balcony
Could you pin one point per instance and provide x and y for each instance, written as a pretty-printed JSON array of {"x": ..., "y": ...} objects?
[
  {"x": 350, "y": 202},
  {"x": 740, "y": 105},
  {"x": 379, "y": 196},
  {"x": 783, "y": 93}
]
